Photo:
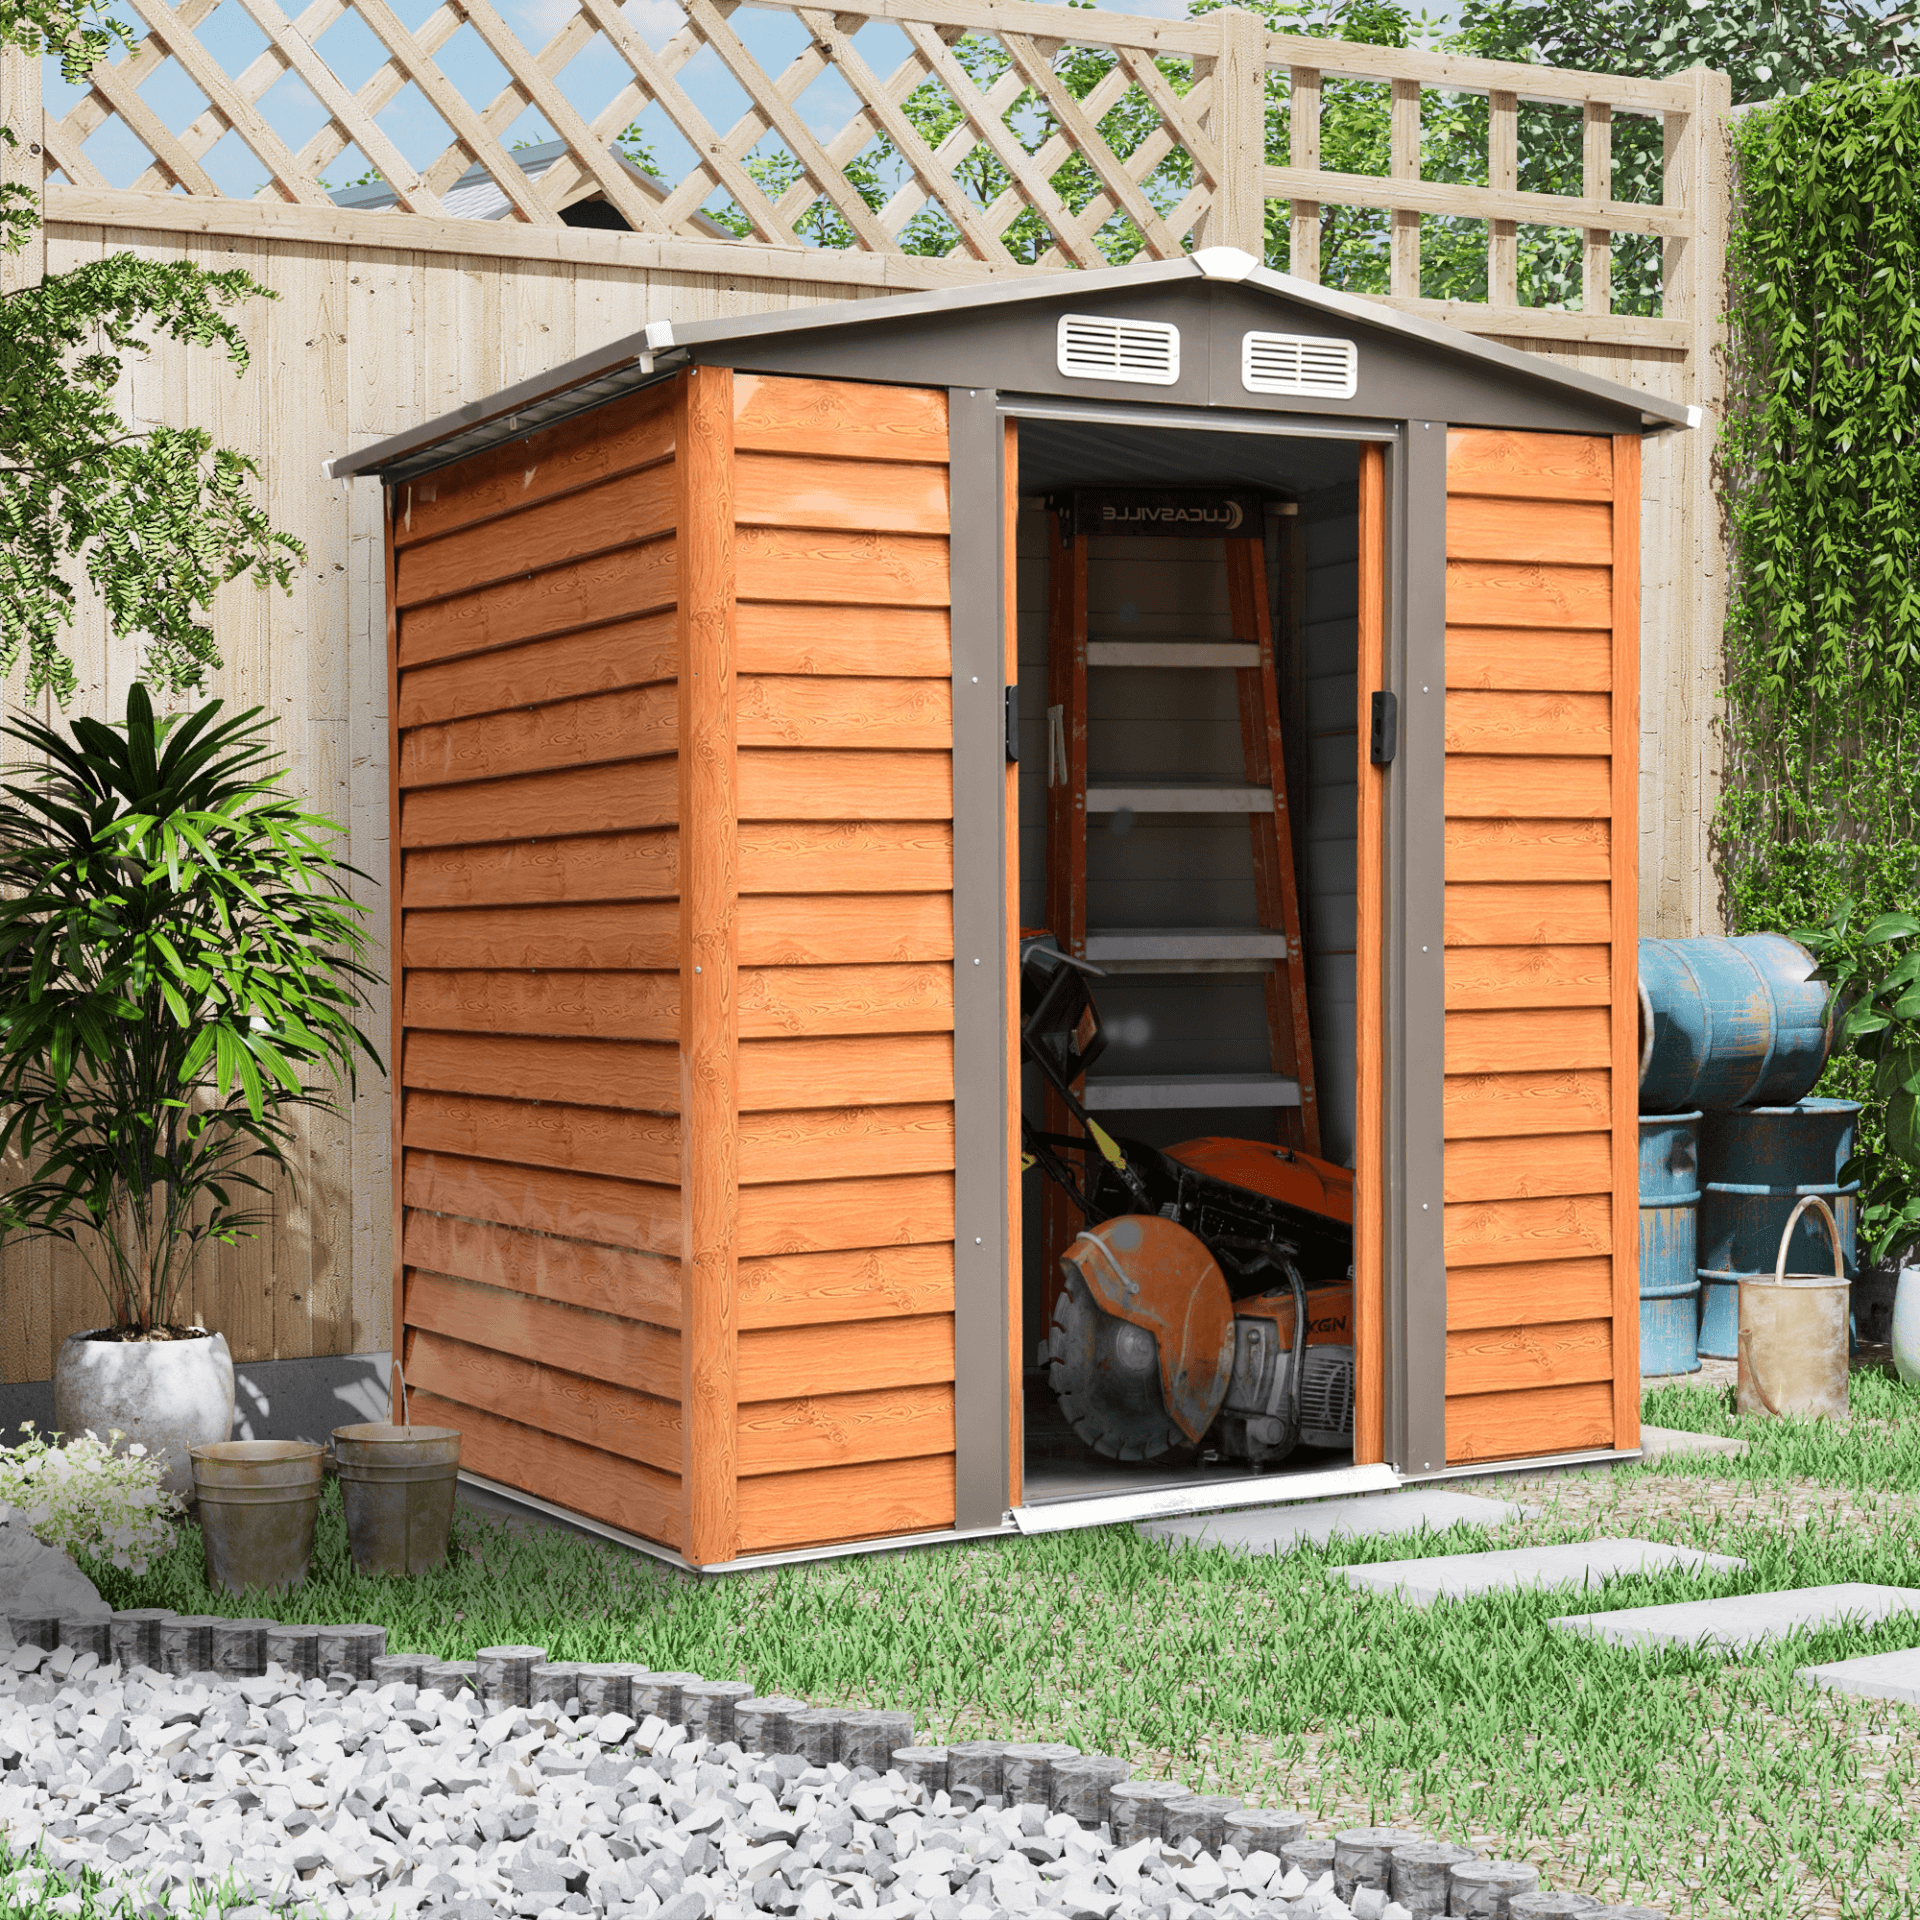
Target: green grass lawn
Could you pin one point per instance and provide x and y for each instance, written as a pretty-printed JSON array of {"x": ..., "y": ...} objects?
[{"x": 1709, "y": 1786}]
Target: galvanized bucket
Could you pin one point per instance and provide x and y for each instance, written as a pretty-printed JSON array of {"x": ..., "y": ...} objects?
[
  {"x": 1730, "y": 1023},
  {"x": 1793, "y": 1333},
  {"x": 1669, "y": 1216},
  {"x": 258, "y": 1502},
  {"x": 398, "y": 1485}
]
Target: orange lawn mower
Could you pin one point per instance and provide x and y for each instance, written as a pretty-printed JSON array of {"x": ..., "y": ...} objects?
[{"x": 1209, "y": 1294}]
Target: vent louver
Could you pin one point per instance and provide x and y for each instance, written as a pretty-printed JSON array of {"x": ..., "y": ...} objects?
[
  {"x": 1093, "y": 347},
  {"x": 1301, "y": 363}
]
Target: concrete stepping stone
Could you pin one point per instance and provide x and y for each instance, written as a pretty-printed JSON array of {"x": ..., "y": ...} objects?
[
  {"x": 1582, "y": 1563},
  {"x": 1281, "y": 1529},
  {"x": 1656, "y": 1442},
  {"x": 1745, "y": 1619},
  {"x": 1874, "y": 1676}
]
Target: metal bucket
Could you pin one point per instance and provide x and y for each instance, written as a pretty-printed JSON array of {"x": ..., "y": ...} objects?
[
  {"x": 1669, "y": 1216},
  {"x": 1793, "y": 1334},
  {"x": 398, "y": 1485},
  {"x": 1757, "y": 1164},
  {"x": 1729, "y": 1023},
  {"x": 258, "y": 1502}
]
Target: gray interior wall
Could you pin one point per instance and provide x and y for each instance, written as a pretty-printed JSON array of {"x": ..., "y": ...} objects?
[
  {"x": 1328, "y": 655},
  {"x": 1196, "y": 871}
]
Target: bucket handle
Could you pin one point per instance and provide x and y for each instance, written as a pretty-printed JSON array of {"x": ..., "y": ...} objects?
[
  {"x": 405, "y": 1421},
  {"x": 1833, "y": 1235}
]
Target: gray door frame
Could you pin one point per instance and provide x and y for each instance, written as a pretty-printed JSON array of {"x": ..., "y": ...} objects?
[{"x": 1414, "y": 906}]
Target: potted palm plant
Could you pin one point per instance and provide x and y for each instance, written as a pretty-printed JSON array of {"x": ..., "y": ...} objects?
[{"x": 181, "y": 972}]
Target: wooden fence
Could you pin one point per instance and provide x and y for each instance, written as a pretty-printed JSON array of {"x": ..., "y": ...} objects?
[{"x": 1031, "y": 139}]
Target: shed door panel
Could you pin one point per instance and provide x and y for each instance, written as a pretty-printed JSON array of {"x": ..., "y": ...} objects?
[
  {"x": 1541, "y": 717},
  {"x": 844, "y": 700}
]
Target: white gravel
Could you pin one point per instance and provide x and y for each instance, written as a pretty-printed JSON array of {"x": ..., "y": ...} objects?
[{"x": 375, "y": 1802}]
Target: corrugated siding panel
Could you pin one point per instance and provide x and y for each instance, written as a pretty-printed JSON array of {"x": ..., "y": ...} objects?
[
  {"x": 845, "y": 1360},
  {"x": 537, "y": 1044},
  {"x": 1534, "y": 861}
]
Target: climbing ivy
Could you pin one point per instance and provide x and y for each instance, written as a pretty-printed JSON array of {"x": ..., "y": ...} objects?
[{"x": 1821, "y": 469}]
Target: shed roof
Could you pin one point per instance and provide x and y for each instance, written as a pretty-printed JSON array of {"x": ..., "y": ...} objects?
[{"x": 915, "y": 336}]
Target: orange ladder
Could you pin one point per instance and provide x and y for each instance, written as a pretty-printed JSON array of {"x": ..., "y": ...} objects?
[{"x": 1272, "y": 947}]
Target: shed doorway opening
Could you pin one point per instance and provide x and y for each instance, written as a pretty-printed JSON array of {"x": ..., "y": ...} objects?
[{"x": 1189, "y": 781}]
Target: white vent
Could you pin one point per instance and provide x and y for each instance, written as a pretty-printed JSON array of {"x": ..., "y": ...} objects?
[
  {"x": 1299, "y": 363},
  {"x": 1093, "y": 347}
]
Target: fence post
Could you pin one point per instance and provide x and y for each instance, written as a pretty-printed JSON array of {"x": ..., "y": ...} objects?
[
  {"x": 20, "y": 109},
  {"x": 1237, "y": 123}
]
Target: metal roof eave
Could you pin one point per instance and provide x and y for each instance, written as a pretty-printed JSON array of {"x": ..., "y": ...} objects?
[{"x": 593, "y": 378}]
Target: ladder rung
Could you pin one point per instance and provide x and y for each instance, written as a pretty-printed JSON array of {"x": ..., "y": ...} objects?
[
  {"x": 1133, "y": 1092},
  {"x": 1168, "y": 797},
  {"x": 1172, "y": 653},
  {"x": 1187, "y": 949}
]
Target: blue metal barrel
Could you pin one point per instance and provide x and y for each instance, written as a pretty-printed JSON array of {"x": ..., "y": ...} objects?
[
  {"x": 1669, "y": 1214},
  {"x": 1729, "y": 1023},
  {"x": 1756, "y": 1164}
]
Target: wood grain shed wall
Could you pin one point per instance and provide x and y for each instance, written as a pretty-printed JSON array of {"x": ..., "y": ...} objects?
[
  {"x": 1540, "y": 1167},
  {"x": 675, "y": 939}
]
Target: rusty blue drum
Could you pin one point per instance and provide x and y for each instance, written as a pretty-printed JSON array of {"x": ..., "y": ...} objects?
[
  {"x": 1669, "y": 1221},
  {"x": 1729, "y": 1023},
  {"x": 1757, "y": 1164}
]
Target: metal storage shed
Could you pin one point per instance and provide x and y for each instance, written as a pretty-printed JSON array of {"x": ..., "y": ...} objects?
[{"x": 707, "y": 871}]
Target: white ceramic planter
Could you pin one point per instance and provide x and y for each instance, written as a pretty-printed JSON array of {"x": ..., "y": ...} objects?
[
  {"x": 1906, "y": 1326},
  {"x": 167, "y": 1394}
]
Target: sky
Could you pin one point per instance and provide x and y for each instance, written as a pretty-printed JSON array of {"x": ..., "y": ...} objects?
[{"x": 589, "y": 82}]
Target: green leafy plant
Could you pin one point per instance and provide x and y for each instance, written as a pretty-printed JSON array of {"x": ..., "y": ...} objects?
[
  {"x": 90, "y": 1497},
  {"x": 1872, "y": 966},
  {"x": 180, "y": 975},
  {"x": 156, "y": 520}
]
